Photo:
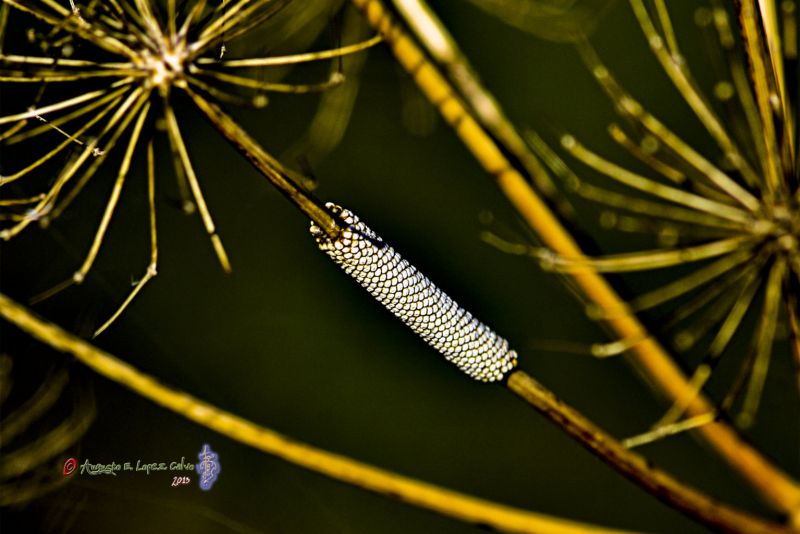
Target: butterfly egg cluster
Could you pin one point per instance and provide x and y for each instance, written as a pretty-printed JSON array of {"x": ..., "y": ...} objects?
[{"x": 415, "y": 300}]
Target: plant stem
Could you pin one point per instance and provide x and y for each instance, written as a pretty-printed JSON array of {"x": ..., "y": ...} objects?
[
  {"x": 268, "y": 166},
  {"x": 688, "y": 500},
  {"x": 438, "y": 42},
  {"x": 447, "y": 502},
  {"x": 414, "y": 492},
  {"x": 651, "y": 358}
]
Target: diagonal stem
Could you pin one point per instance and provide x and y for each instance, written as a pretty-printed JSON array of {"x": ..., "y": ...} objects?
[
  {"x": 635, "y": 467},
  {"x": 414, "y": 492},
  {"x": 266, "y": 164},
  {"x": 649, "y": 356}
]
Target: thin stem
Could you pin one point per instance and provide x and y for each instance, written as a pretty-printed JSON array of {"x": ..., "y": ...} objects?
[
  {"x": 688, "y": 500},
  {"x": 628, "y": 107},
  {"x": 294, "y": 58},
  {"x": 3, "y": 21},
  {"x": 726, "y": 284},
  {"x": 176, "y": 140},
  {"x": 124, "y": 114},
  {"x": 61, "y": 62},
  {"x": 115, "y": 193},
  {"x": 44, "y": 110},
  {"x": 443, "y": 48},
  {"x": 651, "y": 187},
  {"x": 662, "y": 431},
  {"x": 290, "y": 88},
  {"x": 234, "y": 21},
  {"x": 70, "y": 138},
  {"x": 38, "y": 404},
  {"x": 55, "y": 76},
  {"x": 792, "y": 306},
  {"x": 49, "y": 445},
  {"x": 738, "y": 74},
  {"x": 669, "y": 172},
  {"x": 223, "y": 96},
  {"x": 675, "y": 67},
  {"x": 651, "y": 208},
  {"x": 780, "y": 490},
  {"x": 666, "y": 26},
  {"x": 60, "y": 121},
  {"x": 13, "y": 130},
  {"x": 765, "y": 337},
  {"x": 690, "y": 282},
  {"x": 775, "y": 58},
  {"x": 152, "y": 268},
  {"x": 758, "y": 68},
  {"x": 725, "y": 333},
  {"x": 75, "y": 25},
  {"x": 267, "y": 165},
  {"x": 645, "y": 260},
  {"x": 416, "y": 493},
  {"x": 21, "y": 201},
  {"x": 626, "y": 262}
]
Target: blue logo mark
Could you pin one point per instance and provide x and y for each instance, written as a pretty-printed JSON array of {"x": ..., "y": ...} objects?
[{"x": 208, "y": 467}]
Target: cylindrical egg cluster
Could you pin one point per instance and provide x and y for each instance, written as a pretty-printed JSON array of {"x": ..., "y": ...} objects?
[{"x": 409, "y": 295}]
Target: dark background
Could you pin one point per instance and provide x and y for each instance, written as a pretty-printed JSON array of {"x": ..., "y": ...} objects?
[{"x": 290, "y": 342}]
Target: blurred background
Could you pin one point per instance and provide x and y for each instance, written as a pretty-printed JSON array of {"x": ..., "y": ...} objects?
[{"x": 290, "y": 342}]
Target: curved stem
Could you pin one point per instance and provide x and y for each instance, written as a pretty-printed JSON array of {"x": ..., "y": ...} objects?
[
  {"x": 447, "y": 502},
  {"x": 417, "y": 493}
]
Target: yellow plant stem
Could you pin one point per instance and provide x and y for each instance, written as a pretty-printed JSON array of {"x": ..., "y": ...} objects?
[
  {"x": 438, "y": 42},
  {"x": 417, "y": 493},
  {"x": 650, "y": 357},
  {"x": 268, "y": 166}
]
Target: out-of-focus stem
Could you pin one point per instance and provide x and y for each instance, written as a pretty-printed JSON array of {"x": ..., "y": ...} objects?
[
  {"x": 439, "y": 43},
  {"x": 414, "y": 492}
]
